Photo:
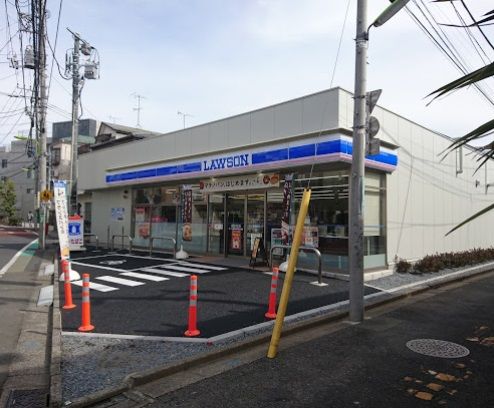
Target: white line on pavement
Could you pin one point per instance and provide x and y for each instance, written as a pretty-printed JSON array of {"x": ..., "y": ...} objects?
[
  {"x": 95, "y": 286},
  {"x": 108, "y": 268},
  {"x": 144, "y": 276},
  {"x": 120, "y": 281},
  {"x": 166, "y": 273},
  {"x": 14, "y": 258},
  {"x": 188, "y": 269},
  {"x": 214, "y": 268}
]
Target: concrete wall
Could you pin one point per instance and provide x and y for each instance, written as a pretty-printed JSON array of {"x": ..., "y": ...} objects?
[
  {"x": 296, "y": 117},
  {"x": 425, "y": 196},
  {"x": 103, "y": 202}
]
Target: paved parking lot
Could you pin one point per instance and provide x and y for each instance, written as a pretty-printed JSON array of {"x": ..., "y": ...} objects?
[{"x": 142, "y": 295}]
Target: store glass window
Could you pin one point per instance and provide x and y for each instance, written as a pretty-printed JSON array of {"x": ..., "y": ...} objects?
[
  {"x": 198, "y": 242},
  {"x": 374, "y": 227}
]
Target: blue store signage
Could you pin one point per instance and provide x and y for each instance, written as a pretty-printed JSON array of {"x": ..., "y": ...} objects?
[{"x": 335, "y": 148}]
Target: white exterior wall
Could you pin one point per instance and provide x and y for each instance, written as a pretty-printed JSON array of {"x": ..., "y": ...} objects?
[
  {"x": 103, "y": 202},
  {"x": 425, "y": 196},
  {"x": 297, "y": 117}
]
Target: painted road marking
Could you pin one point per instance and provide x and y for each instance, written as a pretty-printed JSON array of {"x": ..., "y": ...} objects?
[
  {"x": 144, "y": 276},
  {"x": 108, "y": 268},
  {"x": 120, "y": 281},
  {"x": 164, "y": 272},
  {"x": 17, "y": 255},
  {"x": 214, "y": 268},
  {"x": 190, "y": 270},
  {"x": 95, "y": 286}
]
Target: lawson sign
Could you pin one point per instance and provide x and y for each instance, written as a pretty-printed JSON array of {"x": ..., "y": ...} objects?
[
  {"x": 227, "y": 162},
  {"x": 334, "y": 148}
]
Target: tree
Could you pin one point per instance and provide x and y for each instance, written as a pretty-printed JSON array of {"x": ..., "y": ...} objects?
[
  {"x": 7, "y": 202},
  {"x": 486, "y": 152}
]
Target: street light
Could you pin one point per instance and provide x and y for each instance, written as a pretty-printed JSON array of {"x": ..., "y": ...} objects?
[{"x": 357, "y": 182}]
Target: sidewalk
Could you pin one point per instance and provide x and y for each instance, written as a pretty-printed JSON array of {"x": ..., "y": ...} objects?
[
  {"x": 26, "y": 331},
  {"x": 366, "y": 365}
]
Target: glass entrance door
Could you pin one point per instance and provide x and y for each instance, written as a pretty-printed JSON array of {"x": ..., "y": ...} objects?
[
  {"x": 235, "y": 210},
  {"x": 216, "y": 222},
  {"x": 255, "y": 220}
]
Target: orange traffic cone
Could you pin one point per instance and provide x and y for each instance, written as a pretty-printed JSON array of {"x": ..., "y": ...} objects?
[
  {"x": 67, "y": 287},
  {"x": 271, "y": 313},
  {"x": 86, "y": 305},
  {"x": 192, "y": 330}
]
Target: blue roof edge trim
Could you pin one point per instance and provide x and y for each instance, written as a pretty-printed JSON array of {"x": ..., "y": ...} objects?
[{"x": 280, "y": 154}]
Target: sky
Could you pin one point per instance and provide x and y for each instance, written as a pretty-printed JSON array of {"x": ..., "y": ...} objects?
[{"x": 217, "y": 58}]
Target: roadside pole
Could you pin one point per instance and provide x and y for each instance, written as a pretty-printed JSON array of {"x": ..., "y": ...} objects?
[
  {"x": 42, "y": 122},
  {"x": 75, "y": 126},
  {"x": 357, "y": 177}
]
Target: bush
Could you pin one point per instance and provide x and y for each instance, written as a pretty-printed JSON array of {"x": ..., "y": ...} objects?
[
  {"x": 402, "y": 266},
  {"x": 448, "y": 260}
]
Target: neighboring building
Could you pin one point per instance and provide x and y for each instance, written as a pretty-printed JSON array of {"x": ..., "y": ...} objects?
[
  {"x": 87, "y": 131},
  {"x": 61, "y": 159},
  {"x": 111, "y": 134},
  {"x": 18, "y": 167},
  {"x": 237, "y": 167}
]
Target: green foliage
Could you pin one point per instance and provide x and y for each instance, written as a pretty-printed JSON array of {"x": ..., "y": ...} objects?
[
  {"x": 402, "y": 265},
  {"x": 7, "y": 202},
  {"x": 447, "y": 260}
]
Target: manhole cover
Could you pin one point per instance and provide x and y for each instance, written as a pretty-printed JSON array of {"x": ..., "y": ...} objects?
[{"x": 437, "y": 348}]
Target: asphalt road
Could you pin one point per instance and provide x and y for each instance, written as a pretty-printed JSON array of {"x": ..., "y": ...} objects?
[
  {"x": 16, "y": 288},
  {"x": 369, "y": 365},
  {"x": 229, "y": 298}
]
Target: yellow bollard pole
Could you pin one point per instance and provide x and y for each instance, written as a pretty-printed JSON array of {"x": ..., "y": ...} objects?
[{"x": 287, "y": 284}]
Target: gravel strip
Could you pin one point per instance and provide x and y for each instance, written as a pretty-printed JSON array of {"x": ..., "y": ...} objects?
[{"x": 93, "y": 364}]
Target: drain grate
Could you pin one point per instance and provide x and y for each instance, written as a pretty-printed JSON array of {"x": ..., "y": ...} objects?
[{"x": 437, "y": 348}]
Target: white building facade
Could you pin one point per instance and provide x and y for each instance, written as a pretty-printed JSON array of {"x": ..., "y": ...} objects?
[{"x": 236, "y": 169}]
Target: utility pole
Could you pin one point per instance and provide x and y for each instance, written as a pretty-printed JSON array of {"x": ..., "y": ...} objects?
[
  {"x": 357, "y": 177},
  {"x": 91, "y": 71},
  {"x": 42, "y": 168},
  {"x": 138, "y": 109},
  {"x": 363, "y": 105},
  {"x": 75, "y": 123}
]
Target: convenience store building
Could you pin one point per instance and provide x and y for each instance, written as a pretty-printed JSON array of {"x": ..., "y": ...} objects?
[{"x": 230, "y": 175}]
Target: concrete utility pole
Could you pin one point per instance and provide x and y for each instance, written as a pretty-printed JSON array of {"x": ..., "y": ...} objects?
[
  {"x": 357, "y": 177},
  {"x": 42, "y": 169},
  {"x": 75, "y": 123},
  {"x": 357, "y": 182}
]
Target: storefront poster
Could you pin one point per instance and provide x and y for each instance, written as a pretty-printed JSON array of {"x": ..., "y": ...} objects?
[
  {"x": 140, "y": 213},
  {"x": 117, "y": 213},
  {"x": 143, "y": 229},
  {"x": 310, "y": 236},
  {"x": 187, "y": 214},
  {"x": 236, "y": 239},
  {"x": 60, "y": 199},
  {"x": 287, "y": 201},
  {"x": 276, "y": 239}
]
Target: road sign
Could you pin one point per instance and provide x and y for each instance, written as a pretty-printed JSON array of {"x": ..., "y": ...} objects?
[{"x": 46, "y": 195}]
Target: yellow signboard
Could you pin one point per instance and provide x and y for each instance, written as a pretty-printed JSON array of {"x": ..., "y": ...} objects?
[{"x": 46, "y": 195}]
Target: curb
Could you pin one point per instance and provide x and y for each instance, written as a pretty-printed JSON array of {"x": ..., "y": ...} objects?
[
  {"x": 291, "y": 326},
  {"x": 56, "y": 346}
]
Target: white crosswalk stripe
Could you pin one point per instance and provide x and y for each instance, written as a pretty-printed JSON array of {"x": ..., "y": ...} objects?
[
  {"x": 120, "y": 281},
  {"x": 186, "y": 269},
  {"x": 144, "y": 276},
  {"x": 212, "y": 267},
  {"x": 165, "y": 272},
  {"x": 95, "y": 286}
]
